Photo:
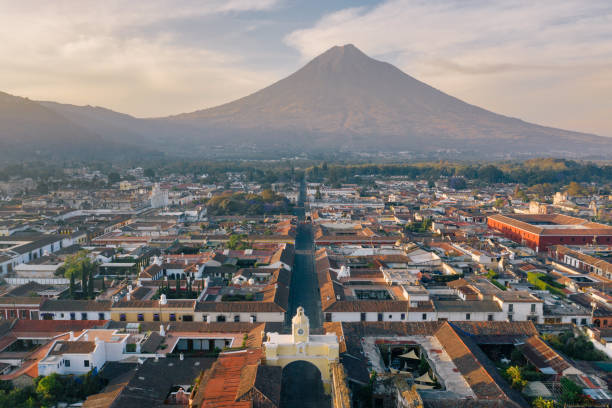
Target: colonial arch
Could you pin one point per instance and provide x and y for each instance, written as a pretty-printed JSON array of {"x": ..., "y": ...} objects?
[
  {"x": 319, "y": 351},
  {"x": 302, "y": 386}
]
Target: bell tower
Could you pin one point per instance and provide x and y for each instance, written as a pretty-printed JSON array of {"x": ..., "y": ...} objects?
[{"x": 300, "y": 326}]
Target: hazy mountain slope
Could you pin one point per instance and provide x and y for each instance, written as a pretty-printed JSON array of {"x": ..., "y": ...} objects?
[
  {"x": 26, "y": 126},
  {"x": 345, "y": 97},
  {"x": 30, "y": 130},
  {"x": 104, "y": 122},
  {"x": 121, "y": 128}
]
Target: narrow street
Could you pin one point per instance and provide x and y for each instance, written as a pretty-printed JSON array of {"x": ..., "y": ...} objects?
[{"x": 304, "y": 286}]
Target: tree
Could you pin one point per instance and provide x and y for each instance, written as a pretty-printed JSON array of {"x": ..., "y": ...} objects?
[
  {"x": 513, "y": 374},
  {"x": 90, "y": 287},
  {"x": 149, "y": 173},
  {"x": 457, "y": 183},
  {"x": 499, "y": 203},
  {"x": 50, "y": 389},
  {"x": 575, "y": 189},
  {"x": 237, "y": 241},
  {"x": 113, "y": 177},
  {"x": 77, "y": 263},
  {"x": 571, "y": 392},
  {"x": 72, "y": 287},
  {"x": 543, "y": 403}
]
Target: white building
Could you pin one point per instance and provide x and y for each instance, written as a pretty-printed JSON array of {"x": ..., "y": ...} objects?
[
  {"x": 87, "y": 352},
  {"x": 159, "y": 197}
]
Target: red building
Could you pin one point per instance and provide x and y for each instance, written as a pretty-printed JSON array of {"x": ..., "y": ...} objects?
[
  {"x": 539, "y": 231},
  {"x": 26, "y": 308}
]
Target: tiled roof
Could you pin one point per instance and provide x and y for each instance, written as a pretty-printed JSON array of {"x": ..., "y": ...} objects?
[
  {"x": 542, "y": 356},
  {"x": 68, "y": 305},
  {"x": 221, "y": 383},
  {"x": 380, "y": 306},
  {"x": 477, "y": 377}
]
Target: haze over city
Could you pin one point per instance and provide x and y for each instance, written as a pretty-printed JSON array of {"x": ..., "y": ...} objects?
[{"x": 546, "y": 62}]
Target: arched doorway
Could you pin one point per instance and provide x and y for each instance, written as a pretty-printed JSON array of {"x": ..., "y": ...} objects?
[{"x": 302, "y": 386}]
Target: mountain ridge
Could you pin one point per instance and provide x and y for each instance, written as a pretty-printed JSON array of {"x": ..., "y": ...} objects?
[{"x": 340, "y": 101}]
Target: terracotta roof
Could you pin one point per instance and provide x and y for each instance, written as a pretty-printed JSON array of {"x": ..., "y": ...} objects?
[
  {"x": 524, "y": 222},
  {"x": 154, "y": 304},
  {"x": 542, "y": 356},
  {"x": 68, "y": 305},
  {"x": 380, "y": 306},
  {"x": 264, "y": 379},
  {"x": 20, "y": 300},
  {"x": 49, "y": 328},
  {"x": 477, "y": 377},
  {"x": 221, "y": 383}
]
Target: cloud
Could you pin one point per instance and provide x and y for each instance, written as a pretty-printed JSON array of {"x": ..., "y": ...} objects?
[
  {"x": 129, "y": 56},
  {"x": 542, "y": 61}
]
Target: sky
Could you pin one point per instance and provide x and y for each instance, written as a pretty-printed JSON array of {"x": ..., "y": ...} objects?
[{"x": 546, "y": 61}]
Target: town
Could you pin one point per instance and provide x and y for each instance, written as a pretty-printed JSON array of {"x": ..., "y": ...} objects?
[{"x": 300, "y": 283}]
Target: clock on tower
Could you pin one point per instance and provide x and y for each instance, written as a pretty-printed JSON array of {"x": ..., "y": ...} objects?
[{"x": 301, "y": 326}]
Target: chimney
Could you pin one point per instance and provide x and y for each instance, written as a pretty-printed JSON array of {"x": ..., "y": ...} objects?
[
  {"x": 86, "y": 337},
  {"x": 162, "y": 332},
  {"x": 130, "y": 288},
  {"x": 163, "y": 300},
  {"x": 128, "y": 296},
  {"x": 181, "y": 357},
  {"x": 71, "y": 336}
]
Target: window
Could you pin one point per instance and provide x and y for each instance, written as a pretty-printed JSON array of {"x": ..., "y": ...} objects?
[
  {"x": 140, "y": 317},
  {"x": 172, "y": 317},
  {"x": 237, "y": 318},
  {"x": 204, "y": 318},
  {"x": 156, "y": 317},
  {"x": 490, "y": 317},
  {"x": 188, "y": 318},
  {"x": 511, "y": 308},
  {"x": 467, "y": 316},
  {"x": 363, "y": 317},
  {"x": 574, "y": 320},
  {"x": 424, "y": 317},
  {"x": 380, "y": 317},
  {"x": 122, "y": 317},
  {"x": 83, "y": 316},
  {"x": 24, "y": 314},
  {"x": 86, "y": 363},
  {"x": 253, "y": 318},
  {"x": 67, "y": 363},
  {"x": 72, "y": 316},
  {"x": 101, "y": 316},
  {"x": 328, "y": 317},
  {"x": 509, "y": 317},
  {"x": 533, "y": 306},
  {"x": 220, "y": 318},
  {"x": 403, "y": 316}
]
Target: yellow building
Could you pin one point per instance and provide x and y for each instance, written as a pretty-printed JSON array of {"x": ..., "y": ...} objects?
[
  {"x": 319, "y": 350},
  {"x": 161, "y": 310}
]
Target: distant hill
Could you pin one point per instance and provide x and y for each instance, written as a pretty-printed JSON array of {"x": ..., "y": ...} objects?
[
  {"x": 27, "y": 127},
  {"x": 341, "y": 101},
  {"x": 40, "y": 130}
]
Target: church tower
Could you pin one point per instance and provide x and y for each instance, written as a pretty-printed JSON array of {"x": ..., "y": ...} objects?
[{"x": 300, "y": 326}]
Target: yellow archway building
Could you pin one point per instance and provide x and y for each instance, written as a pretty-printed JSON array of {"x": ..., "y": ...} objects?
[{"x": 319, "y": 350}]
